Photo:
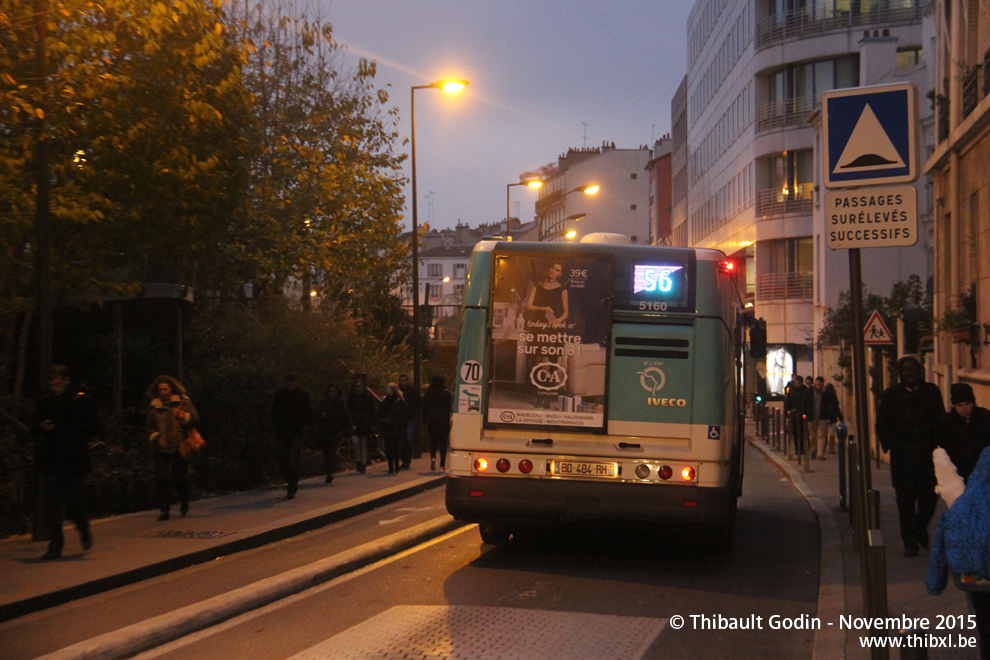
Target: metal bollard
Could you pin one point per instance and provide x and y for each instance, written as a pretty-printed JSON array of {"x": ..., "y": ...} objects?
[
  {"x": 873, "y": 508},
  {"x": 843, "y": 504},
  {"x": 787, "y": 435},
  {"x": 875, "y": 589},
  {"x": 765, "y": 414},
  {"x": 853, "y": 495}
]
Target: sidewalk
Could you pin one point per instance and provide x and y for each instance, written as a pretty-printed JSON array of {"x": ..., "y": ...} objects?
[
  {"x": 134, "y": 547},
  {"x": 906, "y": 593}
]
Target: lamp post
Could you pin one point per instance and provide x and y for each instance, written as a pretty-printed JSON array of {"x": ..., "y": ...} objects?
[
  {"x": 589, "y": 189},
  {"x": 450, "y": 86},
  {"x": 532, "y": 183}
]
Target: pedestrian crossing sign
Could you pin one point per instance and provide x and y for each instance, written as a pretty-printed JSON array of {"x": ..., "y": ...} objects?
[
  {"x": 876, "y": 331},
  {"x": 870, "y": 135}
]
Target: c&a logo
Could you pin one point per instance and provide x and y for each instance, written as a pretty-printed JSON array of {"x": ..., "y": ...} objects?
[{"x": 548, "y": 376}]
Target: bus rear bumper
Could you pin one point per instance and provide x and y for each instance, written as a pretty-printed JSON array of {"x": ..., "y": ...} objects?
[{"x": 508, "y": 501}]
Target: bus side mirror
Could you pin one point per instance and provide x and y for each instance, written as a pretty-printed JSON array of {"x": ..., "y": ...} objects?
[{"x": 758, "y": 339}]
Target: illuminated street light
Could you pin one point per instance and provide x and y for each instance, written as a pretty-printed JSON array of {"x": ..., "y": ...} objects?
[
  {"x": 449, "y": 85},
  {"x": 587, "y": 189},
  {"x": 532, "y": 183}
]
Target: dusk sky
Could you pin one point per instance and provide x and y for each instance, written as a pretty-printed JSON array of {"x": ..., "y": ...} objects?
[{"x": 545, "y": 75}]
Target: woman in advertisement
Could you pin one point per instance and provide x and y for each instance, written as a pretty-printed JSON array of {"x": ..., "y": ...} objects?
[{"x": 546, "y": 304}]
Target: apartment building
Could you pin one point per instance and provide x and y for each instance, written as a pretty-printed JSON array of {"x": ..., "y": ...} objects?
[
  {"x": 961, "y": 183},
  {"x": 746, "y": 172},
  {"x": 621, "y": 204}
]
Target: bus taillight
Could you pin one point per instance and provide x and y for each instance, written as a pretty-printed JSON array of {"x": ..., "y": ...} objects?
[
  {"x": 642, "y": 471},
  {"x": 687, "y": 474},
  {"x": 502, "y": 465},
  {"x": 665, "y": 472},
  {"x": 480, "y": 464},
  {"x": 727, "y": 267},
  {"x": 525, "y": 466}
]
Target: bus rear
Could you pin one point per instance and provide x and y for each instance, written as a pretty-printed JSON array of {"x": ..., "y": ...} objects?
[{"x": 596, "y": 383}]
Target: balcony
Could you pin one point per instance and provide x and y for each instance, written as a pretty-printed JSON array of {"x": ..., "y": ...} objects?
[
  {"x": 787, "y": 112},
  {"x": 782, "y": 286},
  {"x": 785, "y": 200},
  {"x": 816, "y": 20}
]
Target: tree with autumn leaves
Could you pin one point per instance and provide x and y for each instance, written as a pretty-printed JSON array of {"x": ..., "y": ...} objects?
[{"x": 223, "y": 145}]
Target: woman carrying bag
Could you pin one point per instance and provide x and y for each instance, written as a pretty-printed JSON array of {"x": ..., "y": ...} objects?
[{"x": 170, "y": 417}]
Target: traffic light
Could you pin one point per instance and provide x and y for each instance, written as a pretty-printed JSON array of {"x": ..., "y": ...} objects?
[{"x": 758, "y": 339}]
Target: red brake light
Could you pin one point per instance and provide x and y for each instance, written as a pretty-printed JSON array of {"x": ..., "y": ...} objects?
[
  {"x": 502, "y": 465},
  {"x": 665, "y": 472},
  {"x": 525, "y": 466},
  {"x": 480, "y": 464},
  {"x": 687, "y": 473}
]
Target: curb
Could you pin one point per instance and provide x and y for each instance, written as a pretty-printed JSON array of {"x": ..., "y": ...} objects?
[
  {"x": 173, "y": 625},
  {"x": 830, "y": 642},
  {"x": 299, "y": 526}
]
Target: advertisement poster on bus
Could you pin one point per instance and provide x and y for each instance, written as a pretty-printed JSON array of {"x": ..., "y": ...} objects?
[{"x": 550, "y": 324}]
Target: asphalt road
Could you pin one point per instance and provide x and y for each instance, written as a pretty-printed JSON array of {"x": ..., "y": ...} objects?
[{"x": 565, "y": 593}]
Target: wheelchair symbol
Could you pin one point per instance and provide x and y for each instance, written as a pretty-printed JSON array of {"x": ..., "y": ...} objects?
[{"x": 714, "y": 432}]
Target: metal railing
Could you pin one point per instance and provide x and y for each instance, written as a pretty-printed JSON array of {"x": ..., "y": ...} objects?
[
  {"x": 782, "y": 286},
  {"x": 820, "y": 19},
  {"x": 785, "y": 200},
  {"x": 785, "y": 112}
]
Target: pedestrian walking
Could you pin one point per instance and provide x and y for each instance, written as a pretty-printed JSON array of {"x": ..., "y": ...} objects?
[
  {"x": 436, "y": 417},
  {"x": 292, "y": 412},
  {"x": 170, "y": 416},
  {"x": 823, "y": 408},
  {"x": 392, "y": 425},
  {"x": 795, "y": 403},
  {"x": 413, "y": 401},
  {"x": 964, "y": 431},
  {"x": 907, "y": 420},
  {"x": 363, "y": 408},
  {"x": 331, "y": 421},
  {"x": 832, "y": 425},
  {"x": 64, "y": 422},
  {"x": 962, "y": 545}
]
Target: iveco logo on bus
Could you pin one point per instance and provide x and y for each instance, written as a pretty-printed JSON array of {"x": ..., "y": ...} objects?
[
  {"x": 548, "y": 376},
  {"x": 652, "y": 379}
]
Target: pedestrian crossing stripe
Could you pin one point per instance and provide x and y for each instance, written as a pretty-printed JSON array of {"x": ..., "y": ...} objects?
[{"x": 870, "y": 135}]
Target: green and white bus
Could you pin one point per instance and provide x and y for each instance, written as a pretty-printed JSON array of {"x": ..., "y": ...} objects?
[{"x": 597, "y": 382}]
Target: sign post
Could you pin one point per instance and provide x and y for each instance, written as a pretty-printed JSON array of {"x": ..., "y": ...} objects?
[{"x": 869, "y": 142}]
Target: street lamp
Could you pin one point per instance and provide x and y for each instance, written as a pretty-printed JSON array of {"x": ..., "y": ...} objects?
[
  {"x": 588, "y": 189},
  {"x": 577, "y": 217},
  {"x": 447, "y": 86},
  {"x": 532, "y": 183}
]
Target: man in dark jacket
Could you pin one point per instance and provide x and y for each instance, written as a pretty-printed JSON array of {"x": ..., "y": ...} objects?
[
  {"x": 823, "y": 408},
  {"x": 64, "y": 422},
  {"x": 965, "y": 430},
  {"x": 411, "y": 396},
  {"x": 907, "y": 419},
  {"x": 796, "y": 403},
  {"x": 291, "y": 413}
]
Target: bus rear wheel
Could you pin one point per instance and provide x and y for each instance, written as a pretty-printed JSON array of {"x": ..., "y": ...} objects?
[{"x": 494, "y": 534}]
